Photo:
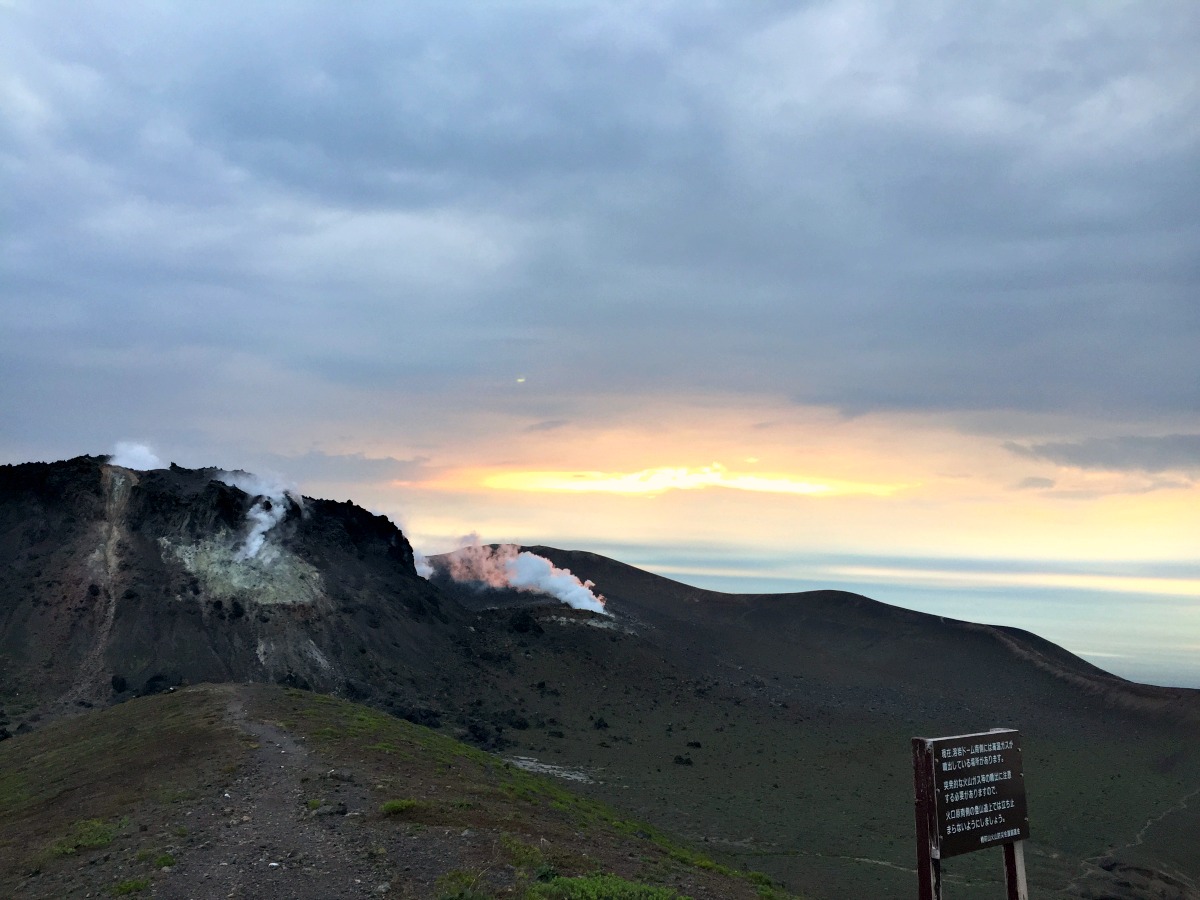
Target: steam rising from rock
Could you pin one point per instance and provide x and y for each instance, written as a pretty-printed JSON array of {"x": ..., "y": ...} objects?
[
  {"x": 530, "y": 572},
  {"x": 131, "y": 455},
  {"x": 424, "y": 569},
  {"x": 271, "y": 500},
  {"x": 507, "y": 566}
]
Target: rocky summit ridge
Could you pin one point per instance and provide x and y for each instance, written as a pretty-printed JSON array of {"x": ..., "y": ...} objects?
[{"x": 119, "y": 582}]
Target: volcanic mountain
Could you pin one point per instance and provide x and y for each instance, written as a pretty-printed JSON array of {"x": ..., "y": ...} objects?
[
  {"x": 116, "y": 583},
  {"x": 772, "y": 731}
]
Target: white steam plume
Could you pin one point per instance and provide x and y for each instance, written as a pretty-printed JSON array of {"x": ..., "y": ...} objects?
[
  {"x": 132, "y": 455},
  {"x": 424, "y": 569},
  {"x": 507, "y": 566},
  {"x": 530, "y": 572},
  {"x": 270, "y": 506}
]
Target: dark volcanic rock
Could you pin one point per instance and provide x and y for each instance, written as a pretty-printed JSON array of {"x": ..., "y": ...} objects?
[{"x": 115, "y": 582}]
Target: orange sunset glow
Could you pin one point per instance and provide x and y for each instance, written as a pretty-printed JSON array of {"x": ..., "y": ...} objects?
[
  {"x": 659, "y": 480},
  {"x": 810, "y": 481}
]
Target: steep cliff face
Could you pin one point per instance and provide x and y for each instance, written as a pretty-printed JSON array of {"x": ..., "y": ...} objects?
[{"x": 115, "y": 582}]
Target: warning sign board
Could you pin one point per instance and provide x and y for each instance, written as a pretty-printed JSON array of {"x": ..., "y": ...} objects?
[{"x": 978, "y": 787}]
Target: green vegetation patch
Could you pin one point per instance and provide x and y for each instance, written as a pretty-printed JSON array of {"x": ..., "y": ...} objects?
[
  {"x": 88, "y": 834},
  {"x": 521, "y": 855},
  {"x": 599, "y": 887},
  {"x": 405, "y": 807},
  {"x": 459, "y": 884},
  {"x": 130, "y": 886},
  {"x": 66, "y": 788}
]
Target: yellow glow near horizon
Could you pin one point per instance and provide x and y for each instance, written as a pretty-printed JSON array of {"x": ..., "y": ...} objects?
[
  {"x": 678, "y": 478},
  {"x": 798, "y": 479},
  {"x": 1125, "y": 584}
]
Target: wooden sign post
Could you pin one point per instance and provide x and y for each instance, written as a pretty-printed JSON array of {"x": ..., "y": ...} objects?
[{"x": 970, "y": 795}]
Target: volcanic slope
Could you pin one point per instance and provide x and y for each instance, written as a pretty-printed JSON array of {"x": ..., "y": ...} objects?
[
  {"x": 267, "y": 793},
  {"x": 774, "y": 730}
]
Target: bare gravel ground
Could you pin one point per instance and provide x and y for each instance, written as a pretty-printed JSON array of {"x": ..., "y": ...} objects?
[{"x": 257, "y": 838}]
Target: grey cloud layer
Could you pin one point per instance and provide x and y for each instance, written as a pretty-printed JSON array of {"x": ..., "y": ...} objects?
[
  {"x": 1172, "y": 452},
  {"x": 971, "y": 206}
]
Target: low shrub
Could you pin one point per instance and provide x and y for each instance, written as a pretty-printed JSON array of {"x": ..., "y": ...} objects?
[
  {"x": 88, "y": 834},
  {"x": 400, "y": 807},
  {"x": 131, "y": 886},
  {"x": 599, "y": 887}
]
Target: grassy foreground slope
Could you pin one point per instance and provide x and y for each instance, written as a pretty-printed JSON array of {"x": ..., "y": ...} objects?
[{"x": 259, "y": 791}]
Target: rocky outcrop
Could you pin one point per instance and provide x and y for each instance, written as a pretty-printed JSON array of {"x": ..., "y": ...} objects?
[{"x": 115, "y": 583}]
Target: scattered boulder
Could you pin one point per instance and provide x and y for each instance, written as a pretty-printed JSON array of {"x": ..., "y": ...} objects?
[
  {"x": 485, "y": 736},
  {"x": 329, "y": 809},
  {"x": 523, "y": 622},
  {"x": 160, "y": 683}
]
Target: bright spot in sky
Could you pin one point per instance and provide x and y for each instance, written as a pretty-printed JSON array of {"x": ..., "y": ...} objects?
[
  {"x": 520, "y": 379},
  {"x": 682, "y": 478}
]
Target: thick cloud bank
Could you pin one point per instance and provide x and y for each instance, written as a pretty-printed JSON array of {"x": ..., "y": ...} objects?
[
  {"x": 927, "y": 206},
  {"x": 1144, "y": 453}
]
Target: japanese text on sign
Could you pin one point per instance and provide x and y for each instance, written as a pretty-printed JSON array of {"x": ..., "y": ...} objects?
[{"x": 979, "y": 791}]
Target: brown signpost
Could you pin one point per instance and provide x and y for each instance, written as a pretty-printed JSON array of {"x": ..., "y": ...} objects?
[{"x": 970, "y": 795}]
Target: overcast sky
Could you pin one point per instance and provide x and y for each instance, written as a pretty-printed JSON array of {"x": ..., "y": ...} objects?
[{"x": 941, "y": 258}]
